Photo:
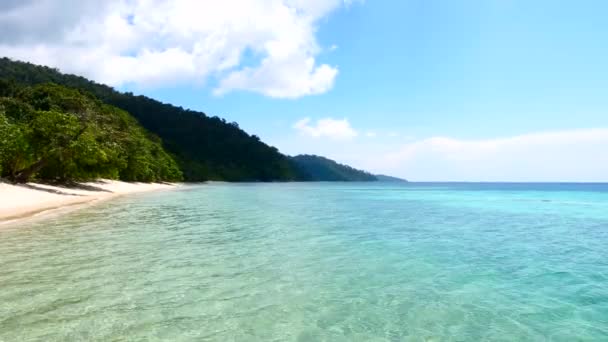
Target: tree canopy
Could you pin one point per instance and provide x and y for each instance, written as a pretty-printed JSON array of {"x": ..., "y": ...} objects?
[
  {"x": 50, "y": 132},
  {"x": 58, "y": 126},
  {"x": 206, "y": 148},
  {"x": 316, "y": 168}
]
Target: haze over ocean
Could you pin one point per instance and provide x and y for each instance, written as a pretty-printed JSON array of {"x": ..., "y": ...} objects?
[{"x": 314, "y": 262}]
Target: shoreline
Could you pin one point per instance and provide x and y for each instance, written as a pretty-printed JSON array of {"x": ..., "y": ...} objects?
[{"x": 23, "y": 201}]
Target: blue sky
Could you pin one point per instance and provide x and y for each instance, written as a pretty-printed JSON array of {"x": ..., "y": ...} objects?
[
  {"x": 428, "y": 90},
  {"x": 446, "y": 67}
]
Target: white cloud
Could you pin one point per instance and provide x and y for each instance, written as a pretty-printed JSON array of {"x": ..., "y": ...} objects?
[
  {"x": 576, "y": 155},
  {"x": 371, "y": 134},
  {"x": 150, "y": 42},
  {"x": 326, "y": 128},
  {"x": 573, "y": 155},
  {"x": 284, "y": 79}
]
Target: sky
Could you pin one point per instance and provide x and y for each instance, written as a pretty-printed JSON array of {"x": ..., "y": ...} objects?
[{"x": 428, "y": 90}]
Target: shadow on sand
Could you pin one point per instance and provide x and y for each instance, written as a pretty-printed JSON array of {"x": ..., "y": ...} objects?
[{"x": 66, "y": 186}]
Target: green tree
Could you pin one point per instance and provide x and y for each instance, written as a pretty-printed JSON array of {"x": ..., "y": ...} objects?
[
  {"x": 51, "y": 136},
  {"x": 15, "y": 152},
  {"x": 207, "y": 148},
  {"x": 54, "y": 133}
]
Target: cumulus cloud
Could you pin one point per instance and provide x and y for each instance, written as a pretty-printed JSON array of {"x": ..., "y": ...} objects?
[
  {"x": 573, "y": 155},
  {"x": 150, "y": 42},
  {"x": 284, "y": 79},
  {"x": 326, "y": 128}
]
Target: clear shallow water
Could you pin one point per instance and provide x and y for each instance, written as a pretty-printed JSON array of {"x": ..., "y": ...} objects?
[{"x": 315, "y": 262}]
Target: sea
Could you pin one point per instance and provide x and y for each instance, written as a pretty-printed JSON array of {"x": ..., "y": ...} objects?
[{"x": 314, "y": 262}]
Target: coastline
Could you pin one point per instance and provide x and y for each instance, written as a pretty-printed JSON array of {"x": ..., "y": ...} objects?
[{"x": 22, "y": 201}]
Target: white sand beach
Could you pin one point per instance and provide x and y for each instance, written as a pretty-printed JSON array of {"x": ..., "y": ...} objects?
[{"x": 23, "y": 200}]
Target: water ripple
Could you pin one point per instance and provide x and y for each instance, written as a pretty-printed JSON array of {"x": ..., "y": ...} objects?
[{"x": 310, "y": 262}]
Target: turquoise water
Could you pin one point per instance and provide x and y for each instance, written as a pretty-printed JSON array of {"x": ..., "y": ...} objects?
[{"x": 315, "y": 262}]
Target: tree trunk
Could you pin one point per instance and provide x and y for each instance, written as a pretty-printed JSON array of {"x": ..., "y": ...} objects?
[{"x": 24, "y": 175}]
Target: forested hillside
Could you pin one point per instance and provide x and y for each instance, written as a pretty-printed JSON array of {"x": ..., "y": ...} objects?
[
  {"x": 316, "y": 168},
  {"x": 385, "y": 178},
  {"x": 53, "y": 133},
  {"x": 97, "y": 137},
  {"x": 206, "y": 148}
]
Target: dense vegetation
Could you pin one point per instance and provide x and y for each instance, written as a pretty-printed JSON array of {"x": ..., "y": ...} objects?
[
  {"x": 316, "y": 168},
  {"x": 59, "y": 126},
  {"x": 53, "y": 133},
  {"x": 206, "y": 148},
  {"x": 385, "y": 178}
]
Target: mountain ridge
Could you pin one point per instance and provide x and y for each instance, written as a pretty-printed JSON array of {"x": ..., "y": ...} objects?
[
  {"x": 385, "y": 178},
  {"x": 204, "y": 147},
  {"x": 318, "y": 168}
]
